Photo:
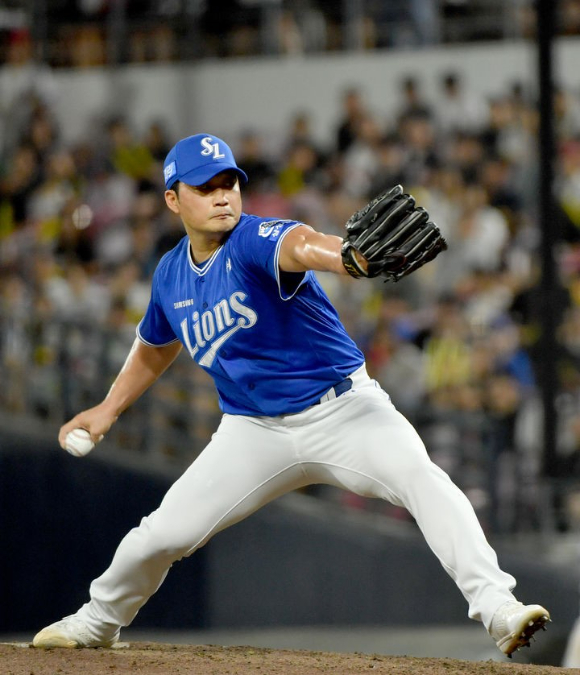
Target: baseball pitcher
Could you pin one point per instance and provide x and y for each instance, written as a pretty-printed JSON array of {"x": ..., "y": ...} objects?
[{"x": 239, "y": 293}]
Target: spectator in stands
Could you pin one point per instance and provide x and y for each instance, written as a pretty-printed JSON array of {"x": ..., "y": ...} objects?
[
  {"x": 300, "y": 169},
  {"x": 253, "y": 158},
  {"x": 361, "y": 158},
  {"x": 58, "y": 187},
  {"x": 127, "y": 155},
  {"x": 418, "y": 138},
  {"x": 354, "y": 111},
  {"x": 17, "y": 186},
  {"x": 478, "y": 238},
  {"x": 510, "y": 131},
  {"x": 25, "y": 84},
  {"x": 466, "y": 153},
  {"x": 413, "y": 102},
  {"x": 456, "y": 108},
  {"x": 390, "y": 165},
  {"x": 156, "y": 140}
]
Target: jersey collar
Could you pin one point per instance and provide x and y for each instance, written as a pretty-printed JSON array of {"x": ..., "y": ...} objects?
[{"x": 202, "y": 269}]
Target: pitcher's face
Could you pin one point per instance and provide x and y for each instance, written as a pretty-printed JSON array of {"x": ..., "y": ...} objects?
[{"x": 212, "y": 208}]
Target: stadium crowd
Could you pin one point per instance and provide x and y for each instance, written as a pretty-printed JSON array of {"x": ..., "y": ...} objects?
[
  {"x": 82, "y": 227},
  {"x": 86, "y": 34}
]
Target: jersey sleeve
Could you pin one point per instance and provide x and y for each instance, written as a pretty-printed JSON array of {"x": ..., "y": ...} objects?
[
  {"x": 154, "y": 328},
  {"x": 260, "y": 244}
]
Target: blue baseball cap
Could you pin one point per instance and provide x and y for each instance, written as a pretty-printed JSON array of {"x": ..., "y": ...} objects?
[{"x": 196, "y": 159}]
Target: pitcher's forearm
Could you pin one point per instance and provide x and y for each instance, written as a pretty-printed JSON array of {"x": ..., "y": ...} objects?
[
  {"x": 143, "y": 366},
  {"x": 305, "y": 249}
]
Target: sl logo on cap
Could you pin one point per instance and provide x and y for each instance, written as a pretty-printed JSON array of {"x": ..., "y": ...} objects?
[{"x": 211, "y": 148}]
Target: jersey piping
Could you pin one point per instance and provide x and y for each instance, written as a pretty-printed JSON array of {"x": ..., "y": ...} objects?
[
  {"x": 284, "y": 296},
  {"x": 200, "y": 271}
]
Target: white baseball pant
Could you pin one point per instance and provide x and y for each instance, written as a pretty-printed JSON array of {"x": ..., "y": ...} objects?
[{"x": 358, "y": 442}]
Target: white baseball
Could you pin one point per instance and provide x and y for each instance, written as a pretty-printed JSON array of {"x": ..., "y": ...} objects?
[{"x": 78, "y": 442}]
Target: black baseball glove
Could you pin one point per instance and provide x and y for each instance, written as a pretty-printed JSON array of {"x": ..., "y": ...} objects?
[{"x": 393, "y": 235}]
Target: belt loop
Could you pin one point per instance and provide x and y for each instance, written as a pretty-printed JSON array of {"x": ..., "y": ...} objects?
[
  {"x": 337, "y": 390},
  {"x": 353, "y": 380},
  {"x": 330, "y": 394}
]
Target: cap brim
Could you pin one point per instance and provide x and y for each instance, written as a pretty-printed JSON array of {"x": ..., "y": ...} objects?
[{"x": 202, "y": 174}]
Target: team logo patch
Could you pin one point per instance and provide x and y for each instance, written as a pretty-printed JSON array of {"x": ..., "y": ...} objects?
[
  {"x": 169, "y": 171},
  {"x": 271, "y": 229}
]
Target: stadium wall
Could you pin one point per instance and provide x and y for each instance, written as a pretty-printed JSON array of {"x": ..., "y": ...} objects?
[{"x": 228, "y": 97}]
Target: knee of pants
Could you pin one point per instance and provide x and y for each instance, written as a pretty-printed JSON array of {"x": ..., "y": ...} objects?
[
  {"x": 170, "y": 541},
  {"x": 421, "y": 475},
  {"x": 427, "y": 478}
]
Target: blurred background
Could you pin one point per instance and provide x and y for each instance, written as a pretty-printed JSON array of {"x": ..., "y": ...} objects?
[{"x": 474, "y": 106}]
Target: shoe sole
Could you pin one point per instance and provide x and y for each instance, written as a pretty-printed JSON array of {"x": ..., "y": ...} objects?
[
  {"x": 56, "y": 641},
  {"x": 524, "y": 632}
]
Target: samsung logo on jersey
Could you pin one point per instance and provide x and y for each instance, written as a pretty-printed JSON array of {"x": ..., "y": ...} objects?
[
  {"x": 214, "y": 326},
  {"x": 183, "y": 303}
]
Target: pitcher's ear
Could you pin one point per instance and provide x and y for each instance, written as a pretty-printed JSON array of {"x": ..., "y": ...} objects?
[{"x": 172, "y": 200}]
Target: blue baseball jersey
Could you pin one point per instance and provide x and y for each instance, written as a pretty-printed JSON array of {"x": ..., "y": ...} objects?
[{"x": 272, "y": 341}]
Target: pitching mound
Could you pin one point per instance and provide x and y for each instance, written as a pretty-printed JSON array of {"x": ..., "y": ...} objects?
[{"x": 147, "y": 658}]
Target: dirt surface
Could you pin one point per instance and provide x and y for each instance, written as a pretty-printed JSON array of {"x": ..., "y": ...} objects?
[{"x": 146, "y": 658}]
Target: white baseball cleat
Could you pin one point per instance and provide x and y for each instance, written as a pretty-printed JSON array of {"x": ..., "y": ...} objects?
[
  {"x": 69, "y": 633},
  {"x": 514, "y": 624}
]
